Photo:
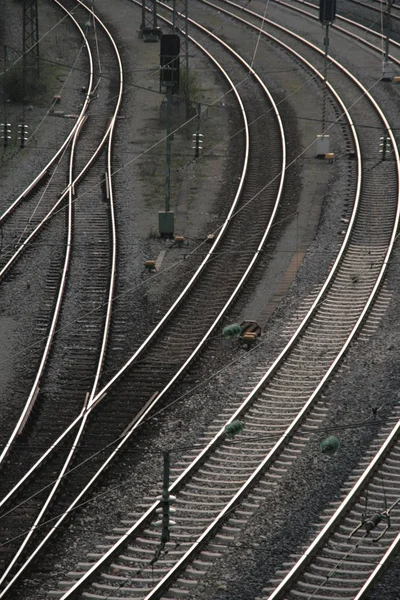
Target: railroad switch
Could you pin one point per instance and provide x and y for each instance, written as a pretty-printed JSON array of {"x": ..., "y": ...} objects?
[{"x": 150, "y": 265}]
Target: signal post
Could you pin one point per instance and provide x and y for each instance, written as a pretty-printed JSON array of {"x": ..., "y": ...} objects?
[
  {"x": 327, "y": 14},
  {"x": 169, "y": 83}
]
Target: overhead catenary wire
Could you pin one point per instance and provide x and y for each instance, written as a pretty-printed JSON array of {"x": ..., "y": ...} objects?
[
  {"x": 259, "y": 34},
  {"x": 149, "y": 281},
  {"x": 218, "y": 229},
  {"x": 337, "y": 565},
  {"x": 149, "y": 453},
  {"x": 56, "y": 212},
  {"x": 155, "y": 145},
  {"x": 128, "y": 163},
  {"x": 367, "y": 422},
  {"x": 156, "y": 92}
]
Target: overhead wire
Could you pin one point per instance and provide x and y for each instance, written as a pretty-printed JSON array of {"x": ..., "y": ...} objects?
[
  {"x": 337, "y": 565},
  {"x": 181, "y": 397},
  {"x": 176, "y": 130},
  {"x": 270, "y": 438},
  {"x": 127, "y": 482},
  {"x": 328, "y": 576},
  {"x": 80, "y": 317},
  {"x": 164, "y": 138},
  {"x": 259, "y": 34},
  {"x": 129, "y": 162}
]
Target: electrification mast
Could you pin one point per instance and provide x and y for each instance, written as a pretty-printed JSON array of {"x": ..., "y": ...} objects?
[{"x": 327, "y": 14}]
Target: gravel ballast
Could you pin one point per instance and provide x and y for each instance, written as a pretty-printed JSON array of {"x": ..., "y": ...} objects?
[{"x": 369, "y": 378}]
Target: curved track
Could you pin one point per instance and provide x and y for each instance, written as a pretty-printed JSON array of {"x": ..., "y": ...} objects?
[
  {"x": 79, "y": 218},
  {"x": 213, "y": 486},
  {"x": 267, "y": 209}
]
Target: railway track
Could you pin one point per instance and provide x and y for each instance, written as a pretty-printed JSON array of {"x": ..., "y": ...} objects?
[
  {"x": 348, "y": 552},
  {"x": 87, "y": 234},
  {"x": 268, "y": 202},
  {"x": 212, "y": 486},
  {"x": 358, "y": 534},
  {"x": 27, "y": 214},
  {"x": 60, "y": 265}
]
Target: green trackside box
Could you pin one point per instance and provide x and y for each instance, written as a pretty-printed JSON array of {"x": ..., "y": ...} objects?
[{"x": 166, "y": 223}]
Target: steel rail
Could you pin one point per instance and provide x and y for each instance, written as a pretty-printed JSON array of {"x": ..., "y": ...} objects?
[
  {"x": 102, "y": 393},
  {"x": 376, "y": 287},
  {"x": 23, "y": 419},
  {"x": 70, "y": 135},
  {"x": 106, "y": 324},
  {"x": 28, "y": 406},
  {"x": 53, "y": 210},
  {"x": 311, "y": 551},
  {"x": 299, "y": 567},
  {"x": 81, "y": 419},
  {"x": 33, "y": 393},
  {"x": 345, "y": 31},
  {"x": 80, "y": 584},
  {"x": 390, "y": 552},
  {"x": 32, "y": 396},
  {"x": 162, "y": 585},
  {"x": 141, "y": 418}
]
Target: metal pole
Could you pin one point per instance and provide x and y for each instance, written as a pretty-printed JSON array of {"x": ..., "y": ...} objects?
[
  {"x": 165, "y": 501},
  {"x": 37, "y": 41},
  {"x": 197, "y": 149},
  {"x": 173, "y": 16},
  {"x": 187, "y": 78},
  {"x": 387, "y": 39},
  {"x": 154, "y": 14},
  {"x": 24, "y": 65},
  {"x": 143, "y": 25},
  {"x": 324, "y": 99},
  {"x": 187, "y": 37},
  {"x": 5, "y": 126},
  {"x": 168, "y": 148}
]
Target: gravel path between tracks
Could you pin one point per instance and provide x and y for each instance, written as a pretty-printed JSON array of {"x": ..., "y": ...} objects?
[{"x": 370, "y": 377}]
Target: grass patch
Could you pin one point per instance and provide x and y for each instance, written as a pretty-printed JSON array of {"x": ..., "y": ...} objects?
[
  {"x": 190, "y": 89},
  {"x": 37, "y": 85}
]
